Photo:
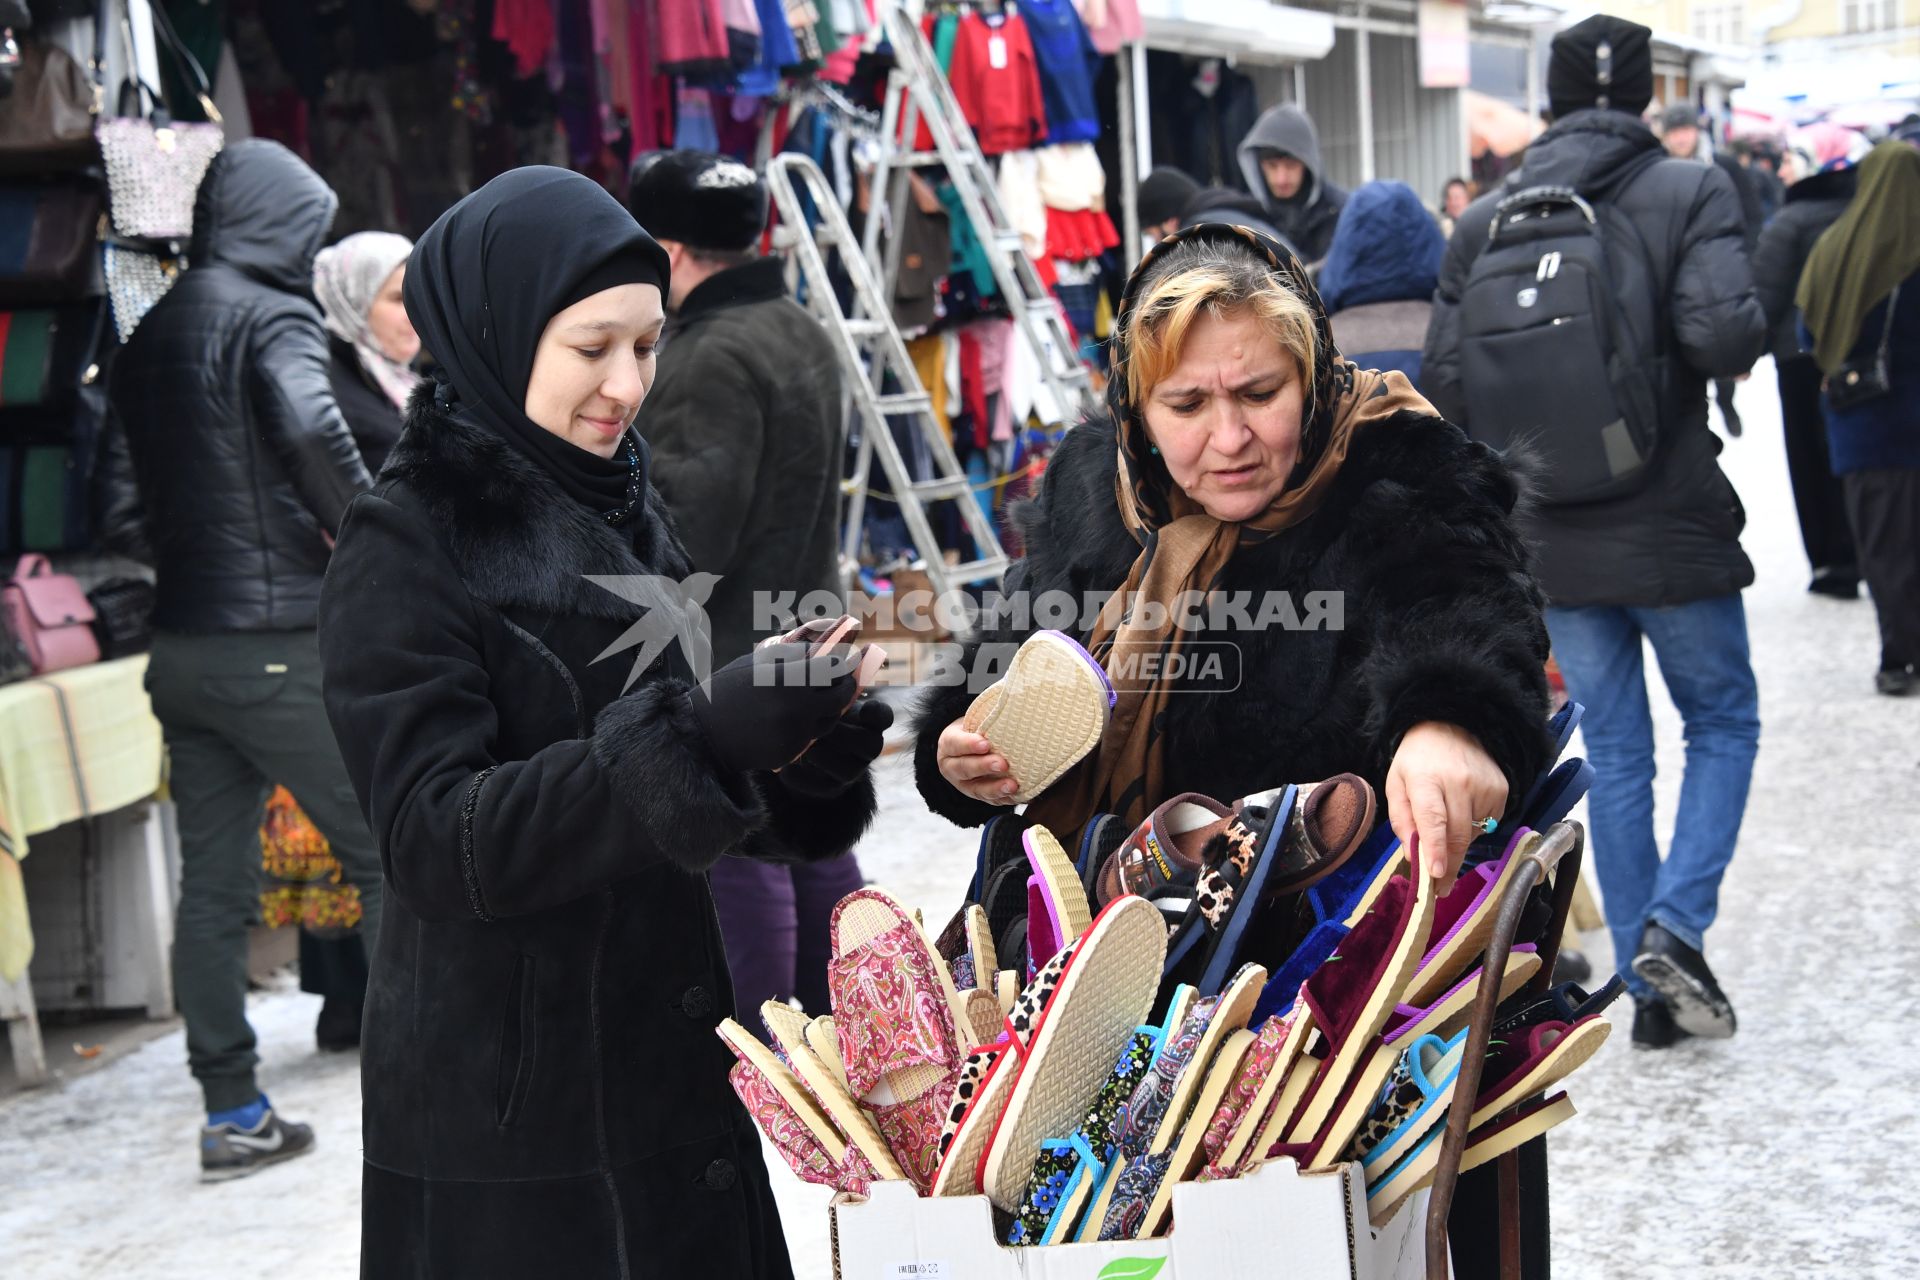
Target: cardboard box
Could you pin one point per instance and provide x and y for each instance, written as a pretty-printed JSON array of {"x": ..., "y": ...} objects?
[{"x": 1279, "y": 1222}]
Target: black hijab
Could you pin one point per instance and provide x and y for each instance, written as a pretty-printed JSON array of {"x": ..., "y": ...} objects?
[{"x": 480, "y": 288}]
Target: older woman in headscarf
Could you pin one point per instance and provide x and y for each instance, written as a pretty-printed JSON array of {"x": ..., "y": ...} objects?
[
  {"x": 371, "y": 343},
  {"x": 1859, "y": 300},
  {"x": 1243, "y": 456}
]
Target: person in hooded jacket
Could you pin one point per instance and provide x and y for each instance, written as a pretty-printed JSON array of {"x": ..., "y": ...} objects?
[
  {"x": 243, "y": 468},
  {"x": 1280, "y": 157},
  {"x": 1822, "y": 158},
  {"x": 1379, "y": 277},
  {"x": 511, "y": 652},
  {"x": 1664, "y": 563},
  {"x": 1859, "y": 300}
]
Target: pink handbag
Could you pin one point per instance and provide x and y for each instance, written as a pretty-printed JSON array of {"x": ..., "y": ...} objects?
[{"x": 51, "y": 615}]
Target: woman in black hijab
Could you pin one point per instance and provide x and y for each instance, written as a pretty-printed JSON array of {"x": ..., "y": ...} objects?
[{"x": 543, "y": 1090}]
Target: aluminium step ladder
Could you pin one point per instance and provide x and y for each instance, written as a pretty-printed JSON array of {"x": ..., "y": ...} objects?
[
  {"x": 873, "y": 354},
  {"x": 917, "y": 92}
]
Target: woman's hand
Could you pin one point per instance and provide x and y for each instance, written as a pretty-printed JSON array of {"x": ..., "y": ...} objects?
[
  {"x": 1442, "y": 783},
  {"x": 975, "y": 769}
]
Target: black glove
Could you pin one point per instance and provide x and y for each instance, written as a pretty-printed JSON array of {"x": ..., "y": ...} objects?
[
  {"x": 761, "y": 710},
  {"x": 834, "y": 763}
]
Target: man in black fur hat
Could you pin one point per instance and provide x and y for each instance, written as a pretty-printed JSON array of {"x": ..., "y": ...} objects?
[
  {"x": 744, "y": 420},
  {"x": 1661, "y": 563}
]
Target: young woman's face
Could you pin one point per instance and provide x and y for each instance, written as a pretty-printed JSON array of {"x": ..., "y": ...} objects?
[
  {"x": 387, "y": 319},
  {"x": 1226, "y": 418},
  {"x": 593, "y": 366}
]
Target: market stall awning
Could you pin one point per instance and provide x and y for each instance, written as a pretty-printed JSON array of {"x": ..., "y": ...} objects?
[
  {"x": 1496, "y": 126},
  {"x": 1244, "y": 30}
]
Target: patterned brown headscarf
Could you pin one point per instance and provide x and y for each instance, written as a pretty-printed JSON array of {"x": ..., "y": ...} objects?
[{"x": 1183, "y": 548}]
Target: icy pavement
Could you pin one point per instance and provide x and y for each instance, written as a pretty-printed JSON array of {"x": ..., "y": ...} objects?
[{"x": 1777, "y": 1153}]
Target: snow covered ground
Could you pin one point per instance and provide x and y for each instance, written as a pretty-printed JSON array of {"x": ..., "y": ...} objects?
[{"x": 1774, "y": 1154}]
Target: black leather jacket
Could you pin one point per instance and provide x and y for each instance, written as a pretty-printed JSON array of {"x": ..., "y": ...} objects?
[{"x": 243, "y": 463}]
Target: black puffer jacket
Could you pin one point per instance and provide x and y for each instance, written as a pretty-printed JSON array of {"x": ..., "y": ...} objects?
[
  {"x": 1813, "y": 204},
  {"x": 1689, "y": 294},
  {"x": 241, "y": 456},
  {"x": 745, "y": 425},
  {"x": 1439, "y": 620}
]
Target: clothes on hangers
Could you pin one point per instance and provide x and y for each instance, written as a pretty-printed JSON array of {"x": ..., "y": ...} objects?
[
  {"x": 1073, "y": 188},
  {"x": 1112, "y": 23},
  {"x": 693, "y": 37},
  {"x": 1067, "y": 62},
  {"x": 996, "y": 80},
  {"x": 777, "y": 50},
  {"x": 526, "y": 28}
]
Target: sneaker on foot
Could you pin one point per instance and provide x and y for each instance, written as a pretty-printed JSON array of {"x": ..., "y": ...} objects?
[
  {"x": 1680, "y": 975},
  {"x": 1653, "y": 1025},
  {"x": 230, "y": 1151},
  {"x": 1894, "y": 683}
]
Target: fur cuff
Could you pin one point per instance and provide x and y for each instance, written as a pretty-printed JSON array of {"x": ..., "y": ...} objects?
[
  {"x": 650, "y": 749},
  {"x": 940, "y": 707},
  {"x": 1456, "y": 685},
  {"x": 802, "y": 828}
]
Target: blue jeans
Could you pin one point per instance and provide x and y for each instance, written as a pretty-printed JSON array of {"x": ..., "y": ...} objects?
[{"x": 1702, "y": 651}]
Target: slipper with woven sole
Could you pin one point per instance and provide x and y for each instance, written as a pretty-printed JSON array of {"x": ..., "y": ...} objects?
[
  {"x": 1047, "y": 713},
  {"x": 1056, "y": 903},
  {"x": 1069, "y": 1169},
  {"x": 1105, "y": 993},
  {"x": 986, "y": 1078}
]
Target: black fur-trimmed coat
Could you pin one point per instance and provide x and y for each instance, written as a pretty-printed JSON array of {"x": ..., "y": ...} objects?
[
  {"x": 1441, "y": 619},
  {"x": 543, "y": 1090}
]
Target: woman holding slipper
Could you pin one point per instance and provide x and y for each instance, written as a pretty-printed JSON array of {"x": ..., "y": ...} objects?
[
  {"x": 1243, "y": 456},
  {"x": 544, "y": 1092}
]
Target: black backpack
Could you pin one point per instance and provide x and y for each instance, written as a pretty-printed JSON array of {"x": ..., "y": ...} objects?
[{"x": 1548, "y": 359}]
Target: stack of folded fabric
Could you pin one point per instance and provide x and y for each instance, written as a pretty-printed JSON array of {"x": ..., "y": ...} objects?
[{"x": 1227, "y": 985}]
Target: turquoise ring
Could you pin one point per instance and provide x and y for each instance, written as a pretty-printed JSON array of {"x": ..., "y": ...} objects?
[{"x": 1488, "y": 825}]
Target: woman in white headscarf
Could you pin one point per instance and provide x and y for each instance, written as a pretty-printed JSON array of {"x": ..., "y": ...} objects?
[{"x": 373, "y": 344}]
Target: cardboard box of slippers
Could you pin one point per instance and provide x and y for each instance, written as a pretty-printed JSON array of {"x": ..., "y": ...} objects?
[{"x": 1276, "y": 1222}]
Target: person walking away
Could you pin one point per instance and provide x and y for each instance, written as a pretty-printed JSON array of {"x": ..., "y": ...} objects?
[
  {"x": 1822, "y": 160},
  {"x": 371, "y": 344},
  {"x": 746, "y": 427},
  {"x": 1379, "y": 276},
  {"x": 1280, "y": 157},
  {"x": 544, "y": 1091},
  {"x": 1683, "y": 139},
  {"x": 244, "y": 467},
  {"x": 1860, "y": 299},
  {"x": 1660, "y": 559}
]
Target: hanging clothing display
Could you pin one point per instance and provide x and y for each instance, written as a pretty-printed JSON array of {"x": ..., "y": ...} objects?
[
  {"x": 1112, "y": 23},
  {"x": 1067, "y": 61},
  {"x": 997, "y": 83},
  {"x": 1073, "y": 188},
  {"x": 693, "y": 37}
]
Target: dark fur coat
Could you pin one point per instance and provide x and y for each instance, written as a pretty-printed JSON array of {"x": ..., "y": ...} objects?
[
  {"x": 544, "y": 1092},
  {"x": 1441, "y": 619}
]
